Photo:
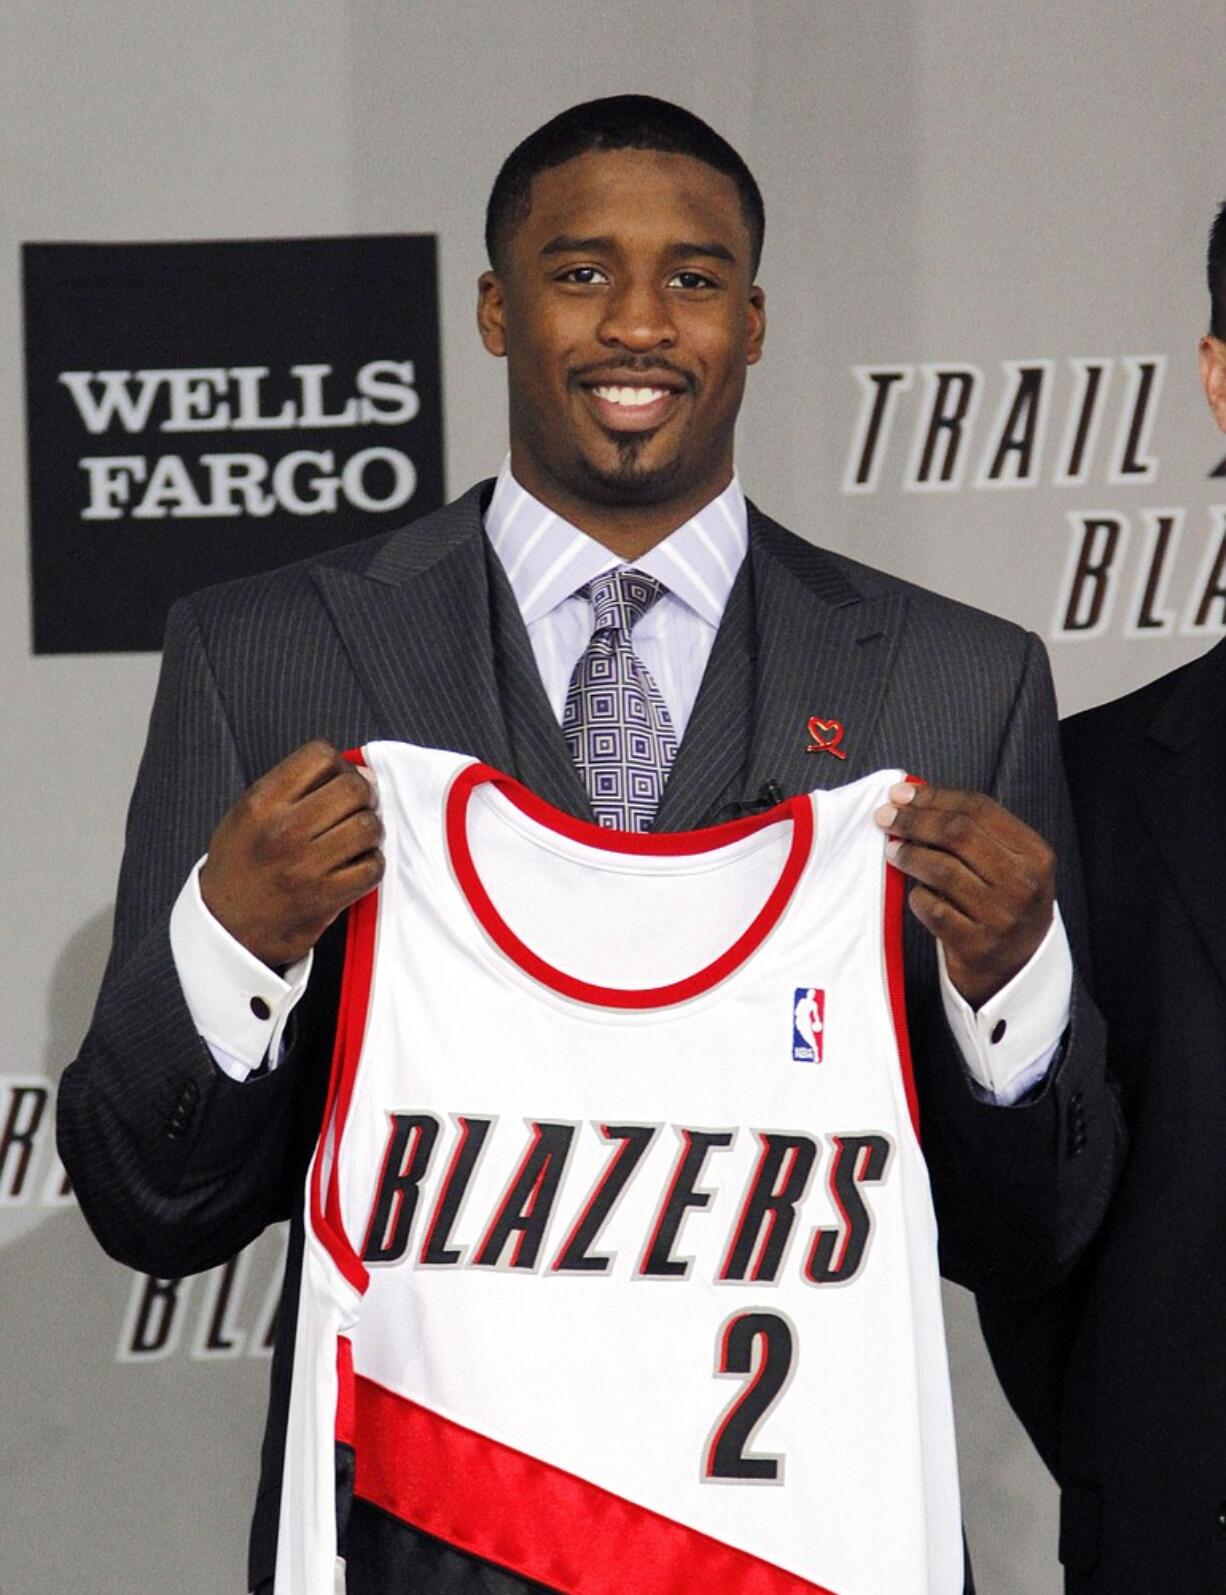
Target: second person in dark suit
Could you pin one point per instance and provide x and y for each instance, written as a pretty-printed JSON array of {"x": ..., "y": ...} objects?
[{"x": 1141, "y": 1384}]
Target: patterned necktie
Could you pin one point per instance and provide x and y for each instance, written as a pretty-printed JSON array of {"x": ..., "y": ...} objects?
[{"x": 616, "y": 724}]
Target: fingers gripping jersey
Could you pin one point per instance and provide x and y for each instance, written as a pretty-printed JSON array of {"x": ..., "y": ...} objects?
[{"x": 621, "y": 1262}]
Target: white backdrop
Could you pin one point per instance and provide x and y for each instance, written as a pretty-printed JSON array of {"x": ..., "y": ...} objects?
[{"x": 959, "y": 187}]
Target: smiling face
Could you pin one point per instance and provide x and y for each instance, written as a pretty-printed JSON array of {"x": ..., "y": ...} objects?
[{"x": 627, "y": 315}]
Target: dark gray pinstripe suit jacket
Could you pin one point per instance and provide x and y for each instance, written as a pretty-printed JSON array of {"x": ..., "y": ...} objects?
[{"x": 416, "y": 635}]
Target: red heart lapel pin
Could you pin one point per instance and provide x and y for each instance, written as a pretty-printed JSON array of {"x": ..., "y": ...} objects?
[{"x": 825, "y": 736}]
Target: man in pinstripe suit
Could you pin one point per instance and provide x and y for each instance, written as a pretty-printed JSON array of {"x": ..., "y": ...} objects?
[{"x": 623, "y": 237}]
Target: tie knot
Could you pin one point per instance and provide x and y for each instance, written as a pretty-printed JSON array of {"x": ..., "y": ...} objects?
[{"x": 621, "y": 598}]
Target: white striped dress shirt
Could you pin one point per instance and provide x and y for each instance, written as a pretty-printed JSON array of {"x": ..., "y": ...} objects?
[{"x": 547, "y": 560}]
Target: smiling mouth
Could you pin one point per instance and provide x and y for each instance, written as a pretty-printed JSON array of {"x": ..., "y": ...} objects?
[
  {"x": 630, "y": 398},
  {"x": 623, "y": 407}
]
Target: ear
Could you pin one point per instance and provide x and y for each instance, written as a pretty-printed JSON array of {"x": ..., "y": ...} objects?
[
  {"x": 756, "y": 326},
  {"x": 491, "y": 309},
  {"x": 1212, "y": 354}
]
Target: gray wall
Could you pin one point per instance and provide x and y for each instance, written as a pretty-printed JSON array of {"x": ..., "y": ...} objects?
[{"x": 959, "y": 183}]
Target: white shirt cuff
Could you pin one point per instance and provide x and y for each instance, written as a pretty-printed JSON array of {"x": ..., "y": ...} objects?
[
  {"x": 1008, "y": 1045},
  {"x": 237, "y": 1003}
]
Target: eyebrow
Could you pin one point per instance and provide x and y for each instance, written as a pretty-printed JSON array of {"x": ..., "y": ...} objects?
[{"x": 567, "y": 244}]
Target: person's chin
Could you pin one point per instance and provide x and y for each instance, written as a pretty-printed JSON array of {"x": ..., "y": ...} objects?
[{"x": 632, "y": 472}]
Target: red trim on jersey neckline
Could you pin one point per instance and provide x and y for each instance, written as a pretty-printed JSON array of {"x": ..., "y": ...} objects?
[
  {"x": 530, "y": 1517},
  {"x": 670, "y": 844}
]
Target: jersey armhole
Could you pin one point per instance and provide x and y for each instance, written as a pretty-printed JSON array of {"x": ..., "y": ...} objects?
[
  {"x": 895, "y": 974},
  {"x": 327, "y": 1221}
]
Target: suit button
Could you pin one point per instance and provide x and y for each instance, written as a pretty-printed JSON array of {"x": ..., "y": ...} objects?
[
  {"x": 182, "y": 1113},
  {"x": 1075, "y": 1125},
  {"x": 1221, "y": 1517}
]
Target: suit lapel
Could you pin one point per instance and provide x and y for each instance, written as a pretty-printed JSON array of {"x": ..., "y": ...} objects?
[
  {"x": 441, "y": 651},
  {"x": 1177, "y": 786},
  {"x": 825, "y": 651},
  {"x": 708, "y": 771},
  {"x": 415, "y": 624},
  {"x": 540, "y": 756}
]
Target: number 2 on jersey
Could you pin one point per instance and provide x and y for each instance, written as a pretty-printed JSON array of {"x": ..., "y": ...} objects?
[{"x": 761, "y": 1348}]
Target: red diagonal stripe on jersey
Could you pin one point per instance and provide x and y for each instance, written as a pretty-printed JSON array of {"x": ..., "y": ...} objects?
[{"x": 534, "y": 1519}]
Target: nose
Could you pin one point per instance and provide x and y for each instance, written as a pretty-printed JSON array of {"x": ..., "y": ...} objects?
[{"x": 637, "y": 316}]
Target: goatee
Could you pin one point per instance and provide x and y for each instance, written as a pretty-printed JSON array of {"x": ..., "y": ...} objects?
[{"x": 630, "y": 481}]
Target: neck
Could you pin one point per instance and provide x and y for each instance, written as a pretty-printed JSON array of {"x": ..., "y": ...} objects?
[{"x": 627, "y": 530}]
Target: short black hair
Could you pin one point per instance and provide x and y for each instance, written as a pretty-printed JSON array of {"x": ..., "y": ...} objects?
[
  {"x": 620, "y": 122},
  {"x": 1217, "y": 274}
]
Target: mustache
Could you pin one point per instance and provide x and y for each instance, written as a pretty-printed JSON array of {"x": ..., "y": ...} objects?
[{"x": 628, "y": 366}]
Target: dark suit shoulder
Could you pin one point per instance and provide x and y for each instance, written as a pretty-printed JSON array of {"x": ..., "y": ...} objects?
[
  {"x": 936, "y": 606},
  {"x": 272, "y": 654},
  {"x": 1173, "y": 709},
  {"x": 393, "y": 555},
  {"x": 849, "y": 579},
  {"x": 1132, "y": 708}
]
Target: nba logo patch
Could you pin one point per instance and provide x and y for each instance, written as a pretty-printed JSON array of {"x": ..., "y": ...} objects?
[{"x": 808, "y": 1024}]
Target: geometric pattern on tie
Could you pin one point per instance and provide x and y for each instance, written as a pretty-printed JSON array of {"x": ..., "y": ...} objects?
[{"x": 615, "y": 722}]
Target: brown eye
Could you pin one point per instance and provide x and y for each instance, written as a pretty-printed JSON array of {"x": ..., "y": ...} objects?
[{"x": 583, "y": 276}]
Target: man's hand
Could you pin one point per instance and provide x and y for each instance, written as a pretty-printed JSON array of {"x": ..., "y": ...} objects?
[
  {"x": 300, "y": 845},
  {"x": 986, "y": 881}
]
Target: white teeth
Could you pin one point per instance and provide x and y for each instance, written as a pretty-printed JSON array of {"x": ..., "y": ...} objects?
[{"x": 630, "y": 396}]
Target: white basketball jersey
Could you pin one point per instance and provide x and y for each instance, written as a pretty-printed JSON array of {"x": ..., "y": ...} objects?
[{"x": 621, "y": 1264}]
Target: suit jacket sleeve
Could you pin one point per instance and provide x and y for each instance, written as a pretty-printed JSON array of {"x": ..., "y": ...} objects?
[
  {"x": 1020, "y": 1191},
  {"x": 175, "y": 1166}
]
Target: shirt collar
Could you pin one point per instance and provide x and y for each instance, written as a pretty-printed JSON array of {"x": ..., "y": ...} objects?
[{"x": 546, "y": 558}]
